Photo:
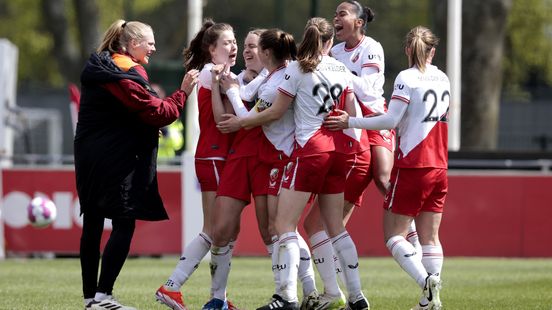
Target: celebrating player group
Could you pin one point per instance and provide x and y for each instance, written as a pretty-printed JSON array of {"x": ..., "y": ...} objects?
[
  {"x": 306, "y": 127},
  {"x": 309, "y": 126}
]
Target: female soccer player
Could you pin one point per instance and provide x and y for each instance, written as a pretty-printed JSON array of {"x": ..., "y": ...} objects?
[
  {"x": 365, "y": 58},
  {"x": 315, "y": 83},
  {"x": 419, "y": 109},
  {"x": 277, "y": 47},
  {"x": 214, "y": 44}
]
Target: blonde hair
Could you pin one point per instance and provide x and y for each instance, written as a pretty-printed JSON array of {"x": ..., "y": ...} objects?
[
  {"x": 317, "y": 32},
  {"x": 117, "y": 37},
  {"x": 420, "y": 40}
]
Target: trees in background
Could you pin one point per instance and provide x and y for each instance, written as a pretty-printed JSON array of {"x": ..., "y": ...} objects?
[
  {"x": 505, "y": 42},
  {"x": 483, "y": 33}
]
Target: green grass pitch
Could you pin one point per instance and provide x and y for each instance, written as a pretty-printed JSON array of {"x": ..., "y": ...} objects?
[{"x": 468, "y": 283}]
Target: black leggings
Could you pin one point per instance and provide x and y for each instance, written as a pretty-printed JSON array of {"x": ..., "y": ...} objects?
[{"x": 114, "y": 254}]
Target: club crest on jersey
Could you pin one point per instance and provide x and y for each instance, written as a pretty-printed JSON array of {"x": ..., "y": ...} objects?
[{"x": 355, "y": 58}]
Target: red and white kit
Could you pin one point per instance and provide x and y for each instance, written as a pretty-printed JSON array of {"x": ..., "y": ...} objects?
[
  {"x": 277, "y": 145},
  {"x": 244, "y": 175},
  {"x": 423, "y": 142},
  {"x": 366, "y": 61},
  {"x": 212, "y": 146},
  {"x": 313, "y": 165}
]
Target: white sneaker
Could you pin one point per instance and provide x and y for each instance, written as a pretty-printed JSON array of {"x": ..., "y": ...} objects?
[
  {"x": 329, "y": 302},
  {"x": 107, "y": 304},
  {"x": 431, "y": 292}
]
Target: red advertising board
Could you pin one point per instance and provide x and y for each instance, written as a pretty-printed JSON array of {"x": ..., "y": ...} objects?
[
  {"x": 485, "y": 215},
  {"x": 19, "y": 186}
]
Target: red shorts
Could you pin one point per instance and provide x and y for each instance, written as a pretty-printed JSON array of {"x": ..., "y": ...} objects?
[
  {"x": 416, "y": 190},
  {"x": 243, "y": 177},
  {"x": 320, "y": 173},
  {"x": 208, "y": 173},
  {"x": 357, "y": 167},
  {"x": 385, "y": 138}
]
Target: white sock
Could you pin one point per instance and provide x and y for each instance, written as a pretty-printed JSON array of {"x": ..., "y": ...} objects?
[
  {"x": 220, "y": 269},
  {"x": 412, "y": 237},
  {"x": 404, "y": 254},
  {"x": 323, "y": 258},
  {"x": 188, "y": 263},
  {"x": 433, "y": 258},
  {"x": 345, "y": 249},
  {"x": 100, "y": 296},
  {"x": 87, "y": 301},
  {"x": 305, "y": 272},
  {"x": 288, "y": 263},
  {"x": 275, "y": 269}
]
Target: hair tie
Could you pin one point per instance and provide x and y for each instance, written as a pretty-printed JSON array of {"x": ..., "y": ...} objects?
[{"x": 124, "y": 25}]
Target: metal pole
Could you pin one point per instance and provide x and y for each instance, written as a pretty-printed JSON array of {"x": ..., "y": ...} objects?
[
  {"x": 191, "y": 215},
  {"x": 314, "y": 9},
  {"x": 195, "y": 15},
  {"x": 454, "y": 70}
]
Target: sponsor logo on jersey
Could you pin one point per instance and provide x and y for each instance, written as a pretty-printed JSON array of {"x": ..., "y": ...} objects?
[
  {"x": 262, "y": 105},
  {"x": 286, "y": 76},
  {"x": 399, "y": 86},
  {"x": 372, "y": 57}
]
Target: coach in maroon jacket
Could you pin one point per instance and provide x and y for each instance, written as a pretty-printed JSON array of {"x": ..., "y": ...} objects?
[{"x": 116, "y": 152}]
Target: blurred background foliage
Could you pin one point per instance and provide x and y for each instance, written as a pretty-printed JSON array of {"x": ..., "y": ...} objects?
[
  {"x": 527, "y": 54},
  {"x": 506, "y": 43}
]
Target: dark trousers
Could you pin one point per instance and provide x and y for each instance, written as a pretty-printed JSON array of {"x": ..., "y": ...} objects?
[{"x": 114, "y": 254}]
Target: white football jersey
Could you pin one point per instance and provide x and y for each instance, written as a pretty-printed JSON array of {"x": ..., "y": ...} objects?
[
  {"x": 368, "y": 53},
  {"x": 423, "y": 129},
  {"x": 316, "y": 94},
  {"x": 280, "y": 132}
]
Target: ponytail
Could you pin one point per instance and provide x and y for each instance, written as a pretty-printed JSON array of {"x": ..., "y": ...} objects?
[
  {"x": 197, "y": 54},
  {"x": 281, "y": 43},
  {"x": 317, "y": 32},
  {"x": 420, "y": 40},
  {"x": 194, "y": 57},
  {"x": 117, "y": 37}
]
